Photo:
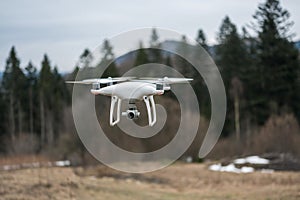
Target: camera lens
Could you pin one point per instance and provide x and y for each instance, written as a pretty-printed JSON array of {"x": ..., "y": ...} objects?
[{"x": 130, "y": 115}]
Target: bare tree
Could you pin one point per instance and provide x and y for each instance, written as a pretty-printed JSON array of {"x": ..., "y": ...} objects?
[
  {"x": 235, "y": 92},
  {"x": 42, "y": 117},
  {"x": 30, "y": 112},
  {"x": 20, "y": 117},
  {"x": 12, "y": 116}
]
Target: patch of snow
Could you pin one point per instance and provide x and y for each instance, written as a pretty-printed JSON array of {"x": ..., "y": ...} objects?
[
  {"x": 215, "y": 167},
  {"x": 6, "y": 167},
  {"x": 62, "y": 163},
  {"x": 189, "y": 159},
  {"x": 230, "y": 168},
  {"x": 252, "y": 160},
  {"x": 247, "y": 169}
]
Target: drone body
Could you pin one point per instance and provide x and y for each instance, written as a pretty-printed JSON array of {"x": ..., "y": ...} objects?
[
  {"x": 129, "y": 90},
  {"x": 133, "y": 90}
]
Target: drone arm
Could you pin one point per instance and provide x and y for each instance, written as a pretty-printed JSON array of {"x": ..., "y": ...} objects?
[
  {"x": 150, "y": 110},
  {"x": 114, "y": 100}
]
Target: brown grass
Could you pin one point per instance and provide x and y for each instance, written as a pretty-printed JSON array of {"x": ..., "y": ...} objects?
[
  {"x": 21, "y": 159},
  {"x": 179, "y": 181},
  {"x": 280, "y": 134}
]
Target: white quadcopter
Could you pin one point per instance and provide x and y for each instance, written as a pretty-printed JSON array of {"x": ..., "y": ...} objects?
[{"x": 132, "y": 89}]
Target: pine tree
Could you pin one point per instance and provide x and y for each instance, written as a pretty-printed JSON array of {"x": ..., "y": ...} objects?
[
  {"x": 111, "y": 70},
  {"x": 86, "y": 58},
  {"x": 31, "y": 74},
  {"x": 154, "y": 39},
  {"x": 85, "y": 65},
  {"x": 108, "y": 60},
  {"x": 141, "y": 56},
  {"x": 14, "y": 84},
  {"x": 3, "y": 119},
  {"x": 45, "y": 84},
  {"x": 184, "y": 49},
  {"x": 107, "y": 51},
  {"x": 233, "y": 60},
  {"x": 201, "y": 39},
  {"x": 154, "y": 53},
  {"x": 278, "y": 59},
  {"x": 70, "y": 77},
  {"x": 60, "y": 97},
  {"x": 9, "y": 86},
  {"x": 231, "y": 52}
]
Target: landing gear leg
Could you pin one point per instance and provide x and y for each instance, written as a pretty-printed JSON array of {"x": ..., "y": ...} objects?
[
  {"x": 114, "y": 100},
  {"x": 150, "y": 109}
]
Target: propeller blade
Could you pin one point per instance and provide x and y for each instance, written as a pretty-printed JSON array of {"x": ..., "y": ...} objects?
[
  {"x": 101, "y": 80},
  {"x": 77, "y": 82},
  {"x": 165, "y": 80},
  {"x": 176, "y": 80}
]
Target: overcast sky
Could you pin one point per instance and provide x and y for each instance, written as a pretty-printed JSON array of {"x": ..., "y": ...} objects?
[{"x": 63, "y": 28}]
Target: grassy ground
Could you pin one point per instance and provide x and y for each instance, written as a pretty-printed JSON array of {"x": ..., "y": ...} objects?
[{"x": 179, "y": 181}]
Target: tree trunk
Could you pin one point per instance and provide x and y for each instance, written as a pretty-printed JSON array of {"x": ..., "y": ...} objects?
[
  {"x": 237, "y": 117},
  {"x": 12, "y": 117},
  {"x": 42, "y": 110},
  {"x": 248, "y": 131},
  {"x": 30, "y": 113},
  {"x": 49, "y": 128},
  {"x": 20, "y": 121}
]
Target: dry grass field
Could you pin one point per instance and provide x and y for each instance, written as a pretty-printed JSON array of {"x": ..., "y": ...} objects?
[{"x": 178, "y": 181}]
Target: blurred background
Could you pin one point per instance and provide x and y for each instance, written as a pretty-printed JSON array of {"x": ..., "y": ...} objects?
[{"x": 255, "y": 45}]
